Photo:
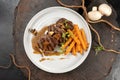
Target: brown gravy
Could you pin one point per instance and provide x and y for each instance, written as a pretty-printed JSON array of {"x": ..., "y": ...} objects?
[
  {"x": 35, "y": 44},
  {"x": 62, "y": 58},
  {"x": 43, "y": 59},
  {"x": 35, "y": 40},
  {"x": 53, "y": 53}
]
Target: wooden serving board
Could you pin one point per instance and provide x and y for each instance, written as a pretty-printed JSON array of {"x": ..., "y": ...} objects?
[{"x": 95, "y": 67}]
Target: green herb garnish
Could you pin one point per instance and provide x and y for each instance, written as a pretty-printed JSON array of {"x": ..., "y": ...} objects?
[
  {"x": 66, "y": 25},
  {"x": 65, "y": 35},
  {"x": 61, "y": 44},
  {"x": 98, "y": 49},
  {"x": 66, "y": 21}
]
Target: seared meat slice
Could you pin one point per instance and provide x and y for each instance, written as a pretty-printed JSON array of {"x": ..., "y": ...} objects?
[
  {"x": 50, "y": 42},
  {"x": 59, "y": 30},
  {"x": 56, "y": 28},
  {"x": 67, "y": 24},
  {"x": 47, "y": 42},
  {"x": 43, "y": 43},
  {"x": 61, "y": 26},
  {"x": 57, "y": 36},
  {"x": 54, "y": 41},
  {"x": 40, "y": 42},
  {"x": 62, "y": 20},
  {"x": 51, "y": 28}
]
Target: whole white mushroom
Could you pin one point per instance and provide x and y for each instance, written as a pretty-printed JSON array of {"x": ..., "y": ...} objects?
[
  {"x": 105, "y": 9},
  {"x": 94, "y": 14}
]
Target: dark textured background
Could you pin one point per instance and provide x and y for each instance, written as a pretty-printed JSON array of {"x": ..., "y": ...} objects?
[{"x": 6, "y": 41}]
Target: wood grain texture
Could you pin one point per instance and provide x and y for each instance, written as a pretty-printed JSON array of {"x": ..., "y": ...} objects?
[{"x": 95, "y": 67}]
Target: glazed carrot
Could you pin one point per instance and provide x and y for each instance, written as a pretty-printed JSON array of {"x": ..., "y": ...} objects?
[
  {"x": 87, "y": 44},
  {"x": 70, "y": 48},
  {"x": 80, "y": 36},
  {"x": 74, "y": 51},
  {"x": 79, "y": 48},
  {"x": 84, "y": 37},
  {"x": 67, "y": 43},
  {"x": 74, "y": 37}
]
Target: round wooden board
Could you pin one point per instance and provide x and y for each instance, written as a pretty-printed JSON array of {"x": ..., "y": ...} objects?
[{"x": 95, "y": 67}]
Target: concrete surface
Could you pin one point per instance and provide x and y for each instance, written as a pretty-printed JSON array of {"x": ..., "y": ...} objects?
[
  {"x": 6, "y": 41},
  {"x": 115, "y": 72}
]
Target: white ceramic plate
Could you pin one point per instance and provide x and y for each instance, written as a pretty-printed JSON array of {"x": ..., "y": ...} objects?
[{"x": 49, "y": 16}]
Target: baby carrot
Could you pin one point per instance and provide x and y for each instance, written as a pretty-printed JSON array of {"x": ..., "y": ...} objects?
[
  {"x": 74, "y": 37},
  {"x": 84, "y": 37},
  {"x": 74, "y": 51},
  {"x": 69, "y": 48},
  {"x": 67, "y": 43},
  {"x": 80, "y": 36}
]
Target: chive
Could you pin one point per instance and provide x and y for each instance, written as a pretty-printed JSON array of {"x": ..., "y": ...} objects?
[
  {"x": 67, "y": 27},
  {"x": 61, "y": 44},
  {"x": 65, "y": 21},
  {"x": 63, "y": 35},
  {"x": 68, "y": 35}
]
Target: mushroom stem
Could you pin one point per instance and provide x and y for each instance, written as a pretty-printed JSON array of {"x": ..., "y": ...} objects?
[{"x": 94, "y": 8}]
